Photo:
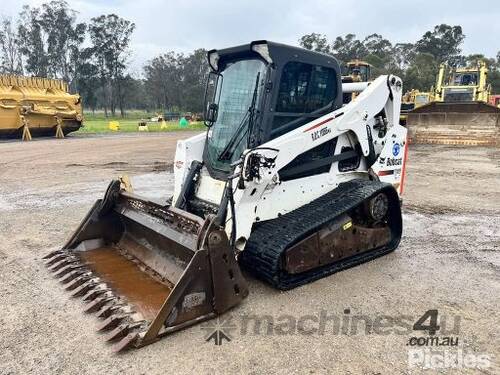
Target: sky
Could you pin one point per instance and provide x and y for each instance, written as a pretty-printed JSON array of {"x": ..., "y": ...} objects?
[{"x": 185, "y": 25}]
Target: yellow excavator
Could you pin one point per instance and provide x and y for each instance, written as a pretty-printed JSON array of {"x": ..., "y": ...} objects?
[
  {"x": 460, "y": 112},
  {"x": 32, "y": 106}
]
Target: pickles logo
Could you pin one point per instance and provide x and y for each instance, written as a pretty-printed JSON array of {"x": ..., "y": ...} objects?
[{"x": 395, "y": 149}]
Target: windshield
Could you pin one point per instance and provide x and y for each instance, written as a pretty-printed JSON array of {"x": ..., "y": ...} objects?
[
  {"x": 465, "y": 79},
  {"x": 235, "y": 91},
  {"x": 421, "y": 99}
]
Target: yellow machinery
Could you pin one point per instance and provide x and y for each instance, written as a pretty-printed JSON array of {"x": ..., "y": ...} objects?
[
  {"x": 463, "y": 84},
  {"x": 460, "y": 112},
  {"x": 37, "y": 106},
  {"x": 411, "y": 100},
  {"x": 422, "y": 98},
  {"x": 359, "y": 70}
]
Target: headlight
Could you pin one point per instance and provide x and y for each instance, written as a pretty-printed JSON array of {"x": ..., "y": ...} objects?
[{"x": 213, "y": 59}]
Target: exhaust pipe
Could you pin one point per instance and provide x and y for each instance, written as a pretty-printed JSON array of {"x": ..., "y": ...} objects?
[{"x": 148, "y": 270}]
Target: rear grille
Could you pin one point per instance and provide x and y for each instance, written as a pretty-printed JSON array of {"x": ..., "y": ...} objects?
[{"x": 459, "y": 95}]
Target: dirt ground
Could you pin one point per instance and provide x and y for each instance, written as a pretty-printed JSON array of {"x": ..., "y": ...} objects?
[{"x": 449, "y": 260}]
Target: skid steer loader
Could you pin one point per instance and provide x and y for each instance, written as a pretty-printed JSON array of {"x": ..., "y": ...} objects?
[{"x": 287, "y": 183}]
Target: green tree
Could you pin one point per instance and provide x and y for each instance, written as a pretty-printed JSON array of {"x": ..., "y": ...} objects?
[
  {"x": 494, "y": 75},
  {"x": 194, "y": 75},
  {"x": 88, "y": 80},
  {"x": 421, "y": 73},
  {"x": 375, "y": 44},
  {"x": 110, "y": 38},
  {"x": 32, "y": 43},
  {"x": 348, "y": 48},
  {"x": 50, "y": 39},
  {"x": 162, "y": 80},
  {"x": 10, "y": 55},
  {"x": 315, "y": 42},
  {"x": 177, "y": 81},
  {"x": 443, "y": 43}
]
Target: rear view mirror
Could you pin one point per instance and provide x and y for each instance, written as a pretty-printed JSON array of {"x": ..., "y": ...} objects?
[
  {"x": 211, "y": 113},
  {"x": 211, "y": 98}
]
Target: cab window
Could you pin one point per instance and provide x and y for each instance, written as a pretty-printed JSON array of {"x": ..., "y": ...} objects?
[{"x": 303, "y": 88}]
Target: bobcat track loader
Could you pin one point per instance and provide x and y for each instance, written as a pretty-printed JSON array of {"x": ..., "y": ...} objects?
[{"x": 287, "y": 183}]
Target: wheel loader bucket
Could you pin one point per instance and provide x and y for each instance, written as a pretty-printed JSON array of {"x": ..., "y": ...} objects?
[{"x": 146, "y": 269}]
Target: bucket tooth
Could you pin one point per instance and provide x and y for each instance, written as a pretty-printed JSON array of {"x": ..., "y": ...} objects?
[
  {"x": 78, "y": 281},
  {"x": 84, "y": 288},
  {"x": 111, "y": 322},
  {"x": 54, "y": 253},
  {"x": 54, "y": 265},
  {"x": 97, "y": 304},
  {"x": 124, "y": 329},
  {"x": 126, "y": 343},
  {"x": 93, "y": 294},
  {"x": 106, "y": 311},
  {"x": 119, "y": 332},
  {"x": 63, "y": 263},
  {"x": 56, "y": 258},
  {"x": 71, "y": 276},
  {"x": 66, "y": 269}
]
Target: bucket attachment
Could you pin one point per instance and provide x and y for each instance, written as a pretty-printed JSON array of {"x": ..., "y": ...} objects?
[{"x": 146, "y": 269}]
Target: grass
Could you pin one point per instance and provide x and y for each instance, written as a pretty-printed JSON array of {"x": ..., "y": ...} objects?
[{"x": 98, "y": 123}]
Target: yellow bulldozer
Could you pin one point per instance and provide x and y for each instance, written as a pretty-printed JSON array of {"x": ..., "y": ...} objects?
[
  {"x": 459, "y": 112},
  {"x": 32, "y": 106}
]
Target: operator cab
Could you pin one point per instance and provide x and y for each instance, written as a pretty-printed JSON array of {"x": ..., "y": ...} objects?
[
  {"x": 262, "y": 90},
  {"x": 465, "y": 79}
]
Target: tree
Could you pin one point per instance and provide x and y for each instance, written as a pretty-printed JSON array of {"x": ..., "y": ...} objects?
[
  {"x": 375, "y": 44},
  {"x": 421, "y": 74},
  {"x": 31, "y": 41},
  {"x": 162, "y": 80},
  {"x": 315, "y": 42},
  {"x": 175, "y": 81},
  {"x": 10, "y": 61},
  {"x": 88, "y": 81},
  {"x": 402, "y": 55},
  {"x": 443, "y": 43},
  {"x": 110, "y": 38},
  {"x": 194, "y": 73},
  {"x": 50, "y": 39},
  {"x": 348, "y": 48}
]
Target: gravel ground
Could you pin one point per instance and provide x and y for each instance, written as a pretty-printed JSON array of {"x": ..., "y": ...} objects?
[{"x": 449, "y": 260}]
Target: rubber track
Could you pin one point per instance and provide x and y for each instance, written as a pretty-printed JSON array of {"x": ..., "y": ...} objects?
[{"x": 270, "y": 239}]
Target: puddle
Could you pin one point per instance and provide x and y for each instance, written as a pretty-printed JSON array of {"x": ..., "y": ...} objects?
[{"x": 159, "y": 186}]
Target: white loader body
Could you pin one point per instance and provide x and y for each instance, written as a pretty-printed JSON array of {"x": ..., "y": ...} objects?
[{"x": 268, "y": 197}]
